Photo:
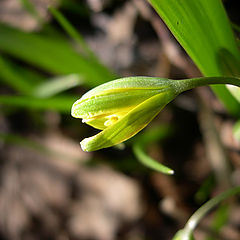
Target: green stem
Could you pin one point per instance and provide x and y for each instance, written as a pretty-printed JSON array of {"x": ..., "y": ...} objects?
[
  {"x": 202, "y": 211},
  {"x": 187, "y": 84}
]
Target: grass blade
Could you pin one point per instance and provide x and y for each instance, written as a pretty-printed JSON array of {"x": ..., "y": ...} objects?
[
  {"x": 51, "y": 54},
  {"x": 146, "y": 138},
  {"x": 14, "y": 78},
  {"x": 150, "y": 162},
  {"x": 60, "y": 104},
  {"x": 72, "y": 32},
  {"x": 57, "y": 85}
]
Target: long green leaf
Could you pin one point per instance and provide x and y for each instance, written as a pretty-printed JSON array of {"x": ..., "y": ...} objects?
[
  {"x": 51, "y": 54},
  {"x": 203, "y": 29},
  {"x": 72, "y": 32},
  {"x": 19, "y": 78},
  {"x": 57, "y": 85},
  {"x": 149, "y": 162},
  {"x": 60, "y": 104},
  {"x": 146, "y": 138}
]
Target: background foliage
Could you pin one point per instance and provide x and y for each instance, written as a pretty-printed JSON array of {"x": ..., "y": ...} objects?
[{"x": 50, "y": 189}]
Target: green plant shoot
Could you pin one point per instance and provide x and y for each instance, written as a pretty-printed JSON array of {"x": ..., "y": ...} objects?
[{"x": 123, "y": 107}]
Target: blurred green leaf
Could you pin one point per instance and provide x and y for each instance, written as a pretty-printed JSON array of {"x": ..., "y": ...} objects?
[
  {"x": 219, "y": 220},
  {"x": 57, "y": 85},
  {"x": 235, "y": 27},
  {"x": 62, "y": 104},
  {"x": 150, "y": 162},
  {"x": 205, "y": 189},
  {"x": 75, "y": 7},
  {"x": 236, "y": 130},
  {"x": 146, "y": 138},
  {"x": 203, "y": 29},
  {"x": 29, "y": 7},
  {"x": 73, "y": 33},
  {"x": 153, "y": 134},
  {"x": 53, "y": 54},
  {"x": 17, "y": 77},
  {"x": 27, "y": 82}
]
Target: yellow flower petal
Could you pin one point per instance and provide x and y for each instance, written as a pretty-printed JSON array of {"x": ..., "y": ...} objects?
[{"x": 129, "y": 125}]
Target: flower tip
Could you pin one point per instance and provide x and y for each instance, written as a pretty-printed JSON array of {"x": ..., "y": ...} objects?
[
  {"x": 84, "y": 145},
  {"x": 171, "y": 172},
  {"x": 88, "y": 145}
]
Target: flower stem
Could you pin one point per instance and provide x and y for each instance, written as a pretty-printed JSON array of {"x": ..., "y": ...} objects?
[
  {"x": 202, "y": 211},
  {"x": 187, "y": 84}
]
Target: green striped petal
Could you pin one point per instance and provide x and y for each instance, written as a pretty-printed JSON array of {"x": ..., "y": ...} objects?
[{"x": 130, "y": 124}]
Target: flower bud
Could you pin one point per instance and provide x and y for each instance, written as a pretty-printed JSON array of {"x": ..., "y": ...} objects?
[{"x": 121, "y": 108}]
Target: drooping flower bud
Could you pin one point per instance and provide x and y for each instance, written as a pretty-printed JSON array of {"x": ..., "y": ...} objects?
[{"x": 121, "y": 108}]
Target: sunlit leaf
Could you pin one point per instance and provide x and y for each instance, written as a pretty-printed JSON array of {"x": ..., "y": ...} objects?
[{"x": 203, "y": 29}]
